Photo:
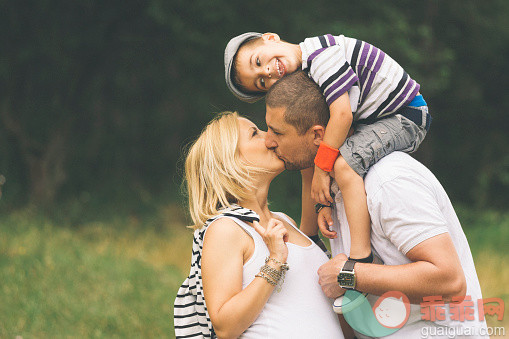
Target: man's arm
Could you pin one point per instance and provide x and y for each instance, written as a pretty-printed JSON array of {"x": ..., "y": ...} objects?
[
  {"x": 308, "y": 220},
  {"x": 406, "y": 211},
  {"x": 435, "y": 270}
]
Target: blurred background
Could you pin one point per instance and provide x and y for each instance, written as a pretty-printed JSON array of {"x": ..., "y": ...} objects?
[{"x": 98, "y": 100}]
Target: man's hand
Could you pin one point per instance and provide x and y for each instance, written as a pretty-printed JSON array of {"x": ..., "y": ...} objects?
[
  {"x": 325, "y": 221},
  {"x": 328, "y": 276},
  {"x": 320, "y": 187}
]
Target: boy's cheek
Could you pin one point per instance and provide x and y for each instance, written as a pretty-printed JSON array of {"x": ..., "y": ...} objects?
[{"x": 270, "y": 83}]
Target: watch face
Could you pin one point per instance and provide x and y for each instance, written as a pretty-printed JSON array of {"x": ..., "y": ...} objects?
[{"x": 346, "y": 279}]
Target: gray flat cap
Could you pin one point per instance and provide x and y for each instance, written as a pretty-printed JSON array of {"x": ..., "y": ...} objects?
[{"x": 229, "y": 53}]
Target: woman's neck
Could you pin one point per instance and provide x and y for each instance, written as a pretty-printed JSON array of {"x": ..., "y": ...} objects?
[{"x": 257, "y": 202}]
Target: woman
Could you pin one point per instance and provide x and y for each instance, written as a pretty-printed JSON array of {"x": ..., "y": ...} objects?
[{"x": 258, "y": 269}]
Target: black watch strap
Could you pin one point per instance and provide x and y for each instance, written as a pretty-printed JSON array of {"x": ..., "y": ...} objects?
[
  {"x": 349, "y": 264},
  {"x": 318, "y": 207}
]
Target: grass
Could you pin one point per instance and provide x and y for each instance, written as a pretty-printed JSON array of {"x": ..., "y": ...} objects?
[
  {"x": 118, "y": 279},
  {"x": 115, "y": 280},
  {"x": 488, "y": 236}
]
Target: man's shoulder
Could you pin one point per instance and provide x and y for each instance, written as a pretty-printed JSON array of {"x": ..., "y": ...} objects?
[{"x": 391, "y": 167}]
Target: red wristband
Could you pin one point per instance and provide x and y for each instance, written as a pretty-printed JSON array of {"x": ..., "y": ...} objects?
[{"x": 326, "y": 157}]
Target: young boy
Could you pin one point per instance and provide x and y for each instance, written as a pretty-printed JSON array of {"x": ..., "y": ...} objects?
[{"x": 362, "y": 85}]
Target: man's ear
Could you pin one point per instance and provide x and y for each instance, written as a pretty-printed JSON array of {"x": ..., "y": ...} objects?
[
  {"x": 318, "y": 133},
  {"x": 271, "y": 37}
]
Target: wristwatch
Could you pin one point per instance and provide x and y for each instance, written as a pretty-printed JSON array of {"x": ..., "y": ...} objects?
[{"x": 346, "y": 277}]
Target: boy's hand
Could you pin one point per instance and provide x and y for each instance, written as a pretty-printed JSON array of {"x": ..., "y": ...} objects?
[
  {"x": 320, "y": 187},
  {"x": 324, "y": 221}
]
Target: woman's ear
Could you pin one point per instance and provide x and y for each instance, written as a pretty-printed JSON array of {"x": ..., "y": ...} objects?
[
  {"x": 271, "y": 37},
  {"x": 318, "y": 133}
]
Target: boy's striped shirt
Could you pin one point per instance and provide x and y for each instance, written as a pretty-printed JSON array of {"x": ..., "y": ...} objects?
[{"x": 377, "y": 85}]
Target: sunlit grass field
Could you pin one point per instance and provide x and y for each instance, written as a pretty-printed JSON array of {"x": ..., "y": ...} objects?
[
  {"x": 118, "y": 279},
  {"x": 108, "y": 280}
]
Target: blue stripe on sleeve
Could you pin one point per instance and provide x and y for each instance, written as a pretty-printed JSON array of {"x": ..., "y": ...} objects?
[{"x": 418, "y": 101}]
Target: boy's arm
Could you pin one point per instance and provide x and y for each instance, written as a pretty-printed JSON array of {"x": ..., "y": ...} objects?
[
  {"x": 336, "y": 132},
  {"x": 340, "y": 121},
  {"x": 332, "y": 72}
]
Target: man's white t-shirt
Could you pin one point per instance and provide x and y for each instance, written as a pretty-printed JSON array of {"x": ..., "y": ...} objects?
[{"x": 407, "y": 206}]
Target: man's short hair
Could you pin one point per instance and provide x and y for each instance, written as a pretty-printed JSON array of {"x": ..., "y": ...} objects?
[{"x": 305, "y": 105}]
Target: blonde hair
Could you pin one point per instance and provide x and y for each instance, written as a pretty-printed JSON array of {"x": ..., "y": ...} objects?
[{"x": 216, "y": 176}]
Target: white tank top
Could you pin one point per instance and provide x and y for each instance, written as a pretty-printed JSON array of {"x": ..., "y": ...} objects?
[{"x": 300, "y": 310}]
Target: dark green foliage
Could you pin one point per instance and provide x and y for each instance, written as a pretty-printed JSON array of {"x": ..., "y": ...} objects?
[{"x": 97, "y": 98}]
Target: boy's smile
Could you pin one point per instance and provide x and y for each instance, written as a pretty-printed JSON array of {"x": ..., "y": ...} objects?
[
  {"x": 280, "y": 68},
  {"x": 262, "y": 63}
]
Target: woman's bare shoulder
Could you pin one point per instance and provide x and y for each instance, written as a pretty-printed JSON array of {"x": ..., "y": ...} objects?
[
  {"x": 224, "y": 229},
  {"x": 287, "y": 216}
]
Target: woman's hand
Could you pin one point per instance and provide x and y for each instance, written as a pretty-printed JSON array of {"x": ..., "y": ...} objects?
[{"x": 275, "y": 237}]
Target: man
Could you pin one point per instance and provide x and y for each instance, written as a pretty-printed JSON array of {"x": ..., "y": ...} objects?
[{"x": 414, "y": 228}]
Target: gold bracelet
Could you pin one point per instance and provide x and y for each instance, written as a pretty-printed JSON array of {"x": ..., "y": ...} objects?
[
  {"x": 273, "y": 260},
  {"x": 277, "y": 275},
  {"x": 271, "y": 272},
  {"x": 270, "y": 281},
  {"x": 283, "y": 266},
  {"x": 273, "y": 276}
]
